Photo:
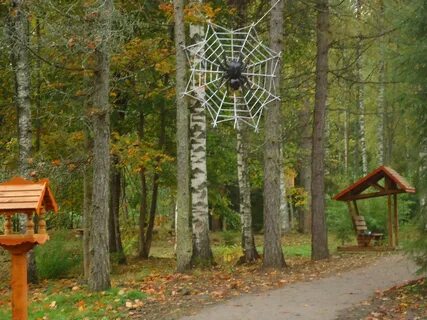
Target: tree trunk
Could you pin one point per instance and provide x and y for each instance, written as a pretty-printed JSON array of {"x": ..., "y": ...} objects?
[
  {"x": 248, "y": 242},
  {"x": 114, "y": 220},
  {"x": 284, "y": 205},
  {"x": 99, "y": 275},
  {"x": 361, "y": 96},
  {"x": 273, "y": 255},
  {"x": 183, "y": 234},
  {"x": 381, "y": 93},
  {"x": 319, "y": 244},
  {"x": 304, "y": 178},
  {"x": 143, "y": 203},
  {"x": 154, "y": 195},
  {"x": 116, "y": 181},
  {"x": 19, "y": 40},
  {"x": 87, "y": 199},
  {"x": 202, "y": 253}
]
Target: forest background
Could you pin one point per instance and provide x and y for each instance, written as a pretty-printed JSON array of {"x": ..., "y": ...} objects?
[{"x": 376, "y": 112}]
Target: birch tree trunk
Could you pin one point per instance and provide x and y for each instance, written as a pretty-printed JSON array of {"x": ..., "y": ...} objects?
[
  {"x": 99, "y": 274},
  {"x": 202, "y": 253},
  {"x": 273, "y": 255},
  {"x": 319, "y": 242},
  {"x": 361, "y": 95},
  {"x": 183, "y": 233},
  {"x": 248, "y": 243},
  {"x": 18, "y": 29}
]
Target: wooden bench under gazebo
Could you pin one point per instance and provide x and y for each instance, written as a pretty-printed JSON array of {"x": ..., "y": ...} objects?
[{"x": 382, "y": 182}]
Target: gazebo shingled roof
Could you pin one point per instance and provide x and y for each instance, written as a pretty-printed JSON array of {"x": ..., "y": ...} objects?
[{"x": 394, "y": 183}]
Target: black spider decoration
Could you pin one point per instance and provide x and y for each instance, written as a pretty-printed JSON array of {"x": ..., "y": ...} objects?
[{"x": 233, "y": 73}]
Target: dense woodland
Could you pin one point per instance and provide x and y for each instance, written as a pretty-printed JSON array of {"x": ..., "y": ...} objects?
[{"x": 90, "y": 99}]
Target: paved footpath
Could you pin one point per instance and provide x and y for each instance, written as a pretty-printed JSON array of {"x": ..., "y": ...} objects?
[{"x": 315, "y": 300}]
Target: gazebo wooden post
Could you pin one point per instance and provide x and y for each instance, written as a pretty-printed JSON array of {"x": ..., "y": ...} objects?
[
  {"x": 390, "y": 222},
  {"x": 396, "y": 221}
]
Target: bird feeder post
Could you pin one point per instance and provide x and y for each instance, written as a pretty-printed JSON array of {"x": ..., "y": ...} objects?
[{"x": 24, "y": 197}]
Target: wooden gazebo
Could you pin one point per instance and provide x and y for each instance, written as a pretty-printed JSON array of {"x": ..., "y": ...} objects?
[{"x": 382, "y": 182}]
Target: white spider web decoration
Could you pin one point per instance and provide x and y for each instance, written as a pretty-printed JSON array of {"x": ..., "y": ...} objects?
[{"x": 207, "y": 83}]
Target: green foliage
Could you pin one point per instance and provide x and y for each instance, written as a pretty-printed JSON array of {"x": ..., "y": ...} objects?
[
  {"x": 339, "y": 221},
  {"x": 58, "y": 257}
]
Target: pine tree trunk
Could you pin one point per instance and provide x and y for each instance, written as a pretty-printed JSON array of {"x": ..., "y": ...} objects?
[
  {"x": 87, "y": 199},
  {"x": 304, "y": 178},
  {"x": 116, "y": 245},
  {"x": 143, "y": 203},
  {"x": 116, "y": 180},
  {"x": 183, "y": 234},
  {"x": 319, "y": 244},
  {"x": 99, "y": 275},
  {"x": 202, "y": 253},
  {"x": 154, "y": 195},
  {"x": 285, "y": 216},
  {"x": 273, "y": 254},
  {"x": 249, "y": 250}
]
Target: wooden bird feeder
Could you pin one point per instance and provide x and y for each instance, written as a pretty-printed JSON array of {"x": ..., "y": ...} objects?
[
  {"x": 382, "y": 182},
  {"x": 20, "y": 196}
]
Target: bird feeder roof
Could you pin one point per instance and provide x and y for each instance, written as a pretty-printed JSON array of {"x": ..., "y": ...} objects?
[
  {"x": 19, "y": 195},
  {"x": 393, "y": 183}
]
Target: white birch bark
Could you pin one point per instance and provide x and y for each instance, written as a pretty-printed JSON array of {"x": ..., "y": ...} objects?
[
  {"x": 199, "y": 187},
  {"x": 183, "y": 233}
]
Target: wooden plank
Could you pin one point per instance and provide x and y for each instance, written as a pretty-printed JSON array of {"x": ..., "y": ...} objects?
[
  {"x": 17, "y": 206},
  {"x": 4, "y": 194},
  {"x": 372, "y": 195},
  {"x": 370, "y": 248},
  {"x": 28, "y": 187},
  {"x": 19, "y": 199},
  {"x": 356, "y": 208}
]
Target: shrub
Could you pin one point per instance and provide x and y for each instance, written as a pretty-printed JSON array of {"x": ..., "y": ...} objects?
[{"x": 59, "y": 256}]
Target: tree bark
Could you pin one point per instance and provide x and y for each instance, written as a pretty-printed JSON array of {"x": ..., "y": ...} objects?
[
  {"x": 285, "y": 216},
  {"x": 183, "y": 234},
  {"x": 143, "y": 203},
  {"x": 319, "y": 244},
  {"x": 202, "y": 253},
  {"x": 114, "y": 221},
  {"x": 273, "y": 254},
  {"x": 250, "y": 253},
  {"x": 381, "y": 93},
  {"x": 99, "y": 275},
  {"x": 18, "y": 31},
  {"x": 146, "y": 245},
  {"x": 116, "y": 181},
  {"x": 304, "y": 177},
  {"x": 361, "y": 96}
]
